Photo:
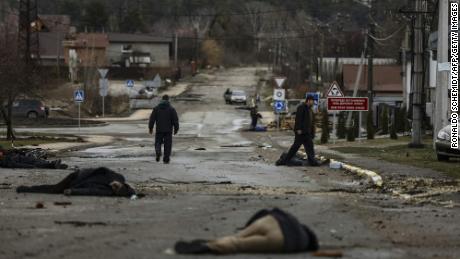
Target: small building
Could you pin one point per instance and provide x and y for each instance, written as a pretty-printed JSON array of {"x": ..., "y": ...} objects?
[
  {"x": 138, "y": 50},
  {"x": 90, "y": 49},
  {"x": 51, "y": 32},
  {"x": 387, "y": 87}
]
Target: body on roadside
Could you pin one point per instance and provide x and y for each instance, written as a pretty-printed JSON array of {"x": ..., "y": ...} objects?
[
  {"x": 164, "y": 116},
  {"x": 268, "y": 231},
  {"x": 304, "y": 130},
  {"x": 96, "y": 182}
]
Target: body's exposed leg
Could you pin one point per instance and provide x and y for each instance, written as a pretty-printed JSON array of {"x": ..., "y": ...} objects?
[{"x": 264, "y": 235}]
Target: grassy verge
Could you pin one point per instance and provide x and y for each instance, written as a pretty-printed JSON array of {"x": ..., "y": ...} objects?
[
  {"x": 401, "y": 154},
  {"x": 35, "y": 139}
]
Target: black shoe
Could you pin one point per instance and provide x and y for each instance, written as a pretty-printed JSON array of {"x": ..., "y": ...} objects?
[
  {"x": 193, "y": 247},
  {"x": 158, "y": 158},
  {"x": 166, "y": 161}
]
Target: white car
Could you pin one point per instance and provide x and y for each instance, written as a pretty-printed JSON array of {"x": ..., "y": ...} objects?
[
  {"x": 443, "y": 149},
  {"x": 238, "y": 96}
]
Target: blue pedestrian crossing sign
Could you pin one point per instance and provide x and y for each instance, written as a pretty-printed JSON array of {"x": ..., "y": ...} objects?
[
  {"x": 130, "y": 83},
  {"x": 315, "y": 99},
  {"x": 79, "y": 96},
  {"x": 280, "y": 106}
]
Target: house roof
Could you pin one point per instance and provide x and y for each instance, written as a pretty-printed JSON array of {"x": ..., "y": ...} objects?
[
  {"x": 137, "y": 38},
  {"x": 55, "y": 23},
  {"x": 387, "y": 78},
  {"x": 81, "y": 40},
  {"x": 51, "y": 44}
]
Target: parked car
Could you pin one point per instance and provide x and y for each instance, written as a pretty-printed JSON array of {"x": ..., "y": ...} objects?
[
  {"x": 238, "y": 96},
  {"x": 31, "y": 109},
  {"x": 443, "y": 149}
]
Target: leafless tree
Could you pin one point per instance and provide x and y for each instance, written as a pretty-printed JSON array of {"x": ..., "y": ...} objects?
[
  {"x": 15, "y": 76},
  {"x": 257, "y": 16}
]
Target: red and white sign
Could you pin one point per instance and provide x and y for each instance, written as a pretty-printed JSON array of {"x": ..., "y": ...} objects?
[
  {"x": 347, "y": 104},
  {"x": 334, "y": 90},
  {"x": 280, "y": 81}
]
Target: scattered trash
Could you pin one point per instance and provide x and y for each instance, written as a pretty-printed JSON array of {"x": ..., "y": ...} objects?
[
  {"x": 335, "y": 165},
  {"x": 39, "y": 205},
  {"x": 80, "y": 223}
]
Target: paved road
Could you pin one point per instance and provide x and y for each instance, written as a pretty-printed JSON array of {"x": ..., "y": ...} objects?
[{"x": 191, "y": 198}]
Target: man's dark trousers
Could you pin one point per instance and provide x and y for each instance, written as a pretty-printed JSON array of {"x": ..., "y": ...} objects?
[
  {"x": 307, "y": 141},
  {"x": 164, "y": 138}
]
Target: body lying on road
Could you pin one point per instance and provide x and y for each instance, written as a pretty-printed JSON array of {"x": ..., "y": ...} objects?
[
  {"x": 96, "y": 182},
  {"x": 268, "y": 231},
  {"x": 23, "y": 158}
]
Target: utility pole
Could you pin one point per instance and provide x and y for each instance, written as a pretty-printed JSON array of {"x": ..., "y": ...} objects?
[
  {"x": 441, "y": 104},
  {"x": 370, "y": 64},
  {"x": 416, "y": 142}
]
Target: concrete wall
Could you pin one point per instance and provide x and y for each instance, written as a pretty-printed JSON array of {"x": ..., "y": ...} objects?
[{"x": 159, "y": 52}]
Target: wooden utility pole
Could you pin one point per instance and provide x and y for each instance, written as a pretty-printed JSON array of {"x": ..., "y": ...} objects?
[
  {"x": 442, "y": 81},
  {"x": 416, "y": 142}
]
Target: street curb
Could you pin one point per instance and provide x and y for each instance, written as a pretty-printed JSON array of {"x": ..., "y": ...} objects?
[{"x": 376, "y": 179}]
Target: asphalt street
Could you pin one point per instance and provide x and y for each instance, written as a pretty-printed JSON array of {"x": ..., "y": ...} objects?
[{"x": 219, "y": 176}]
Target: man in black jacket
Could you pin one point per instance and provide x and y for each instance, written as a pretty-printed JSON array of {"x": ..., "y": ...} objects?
[
  {"x": 165, "y": 117},
  {"x": 304, "y": 130}
]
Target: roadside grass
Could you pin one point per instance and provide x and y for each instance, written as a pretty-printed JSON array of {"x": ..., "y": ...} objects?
[
  {"x": 26, "y": 142},
  {"x": 401, "y": 154},
  {"x": 35, "y": 139}
]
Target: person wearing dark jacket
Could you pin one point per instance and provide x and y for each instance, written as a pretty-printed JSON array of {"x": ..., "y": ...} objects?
[
  {"x": 268, "y": 231},
  {"x": 94, "y": 181},
  {"x": 167, "y": 123},
  {"x": 304, "y": 130}
]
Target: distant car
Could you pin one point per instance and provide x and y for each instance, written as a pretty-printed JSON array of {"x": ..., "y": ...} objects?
[
  {"x": 443, "y": 149},
  {"x": 238, "y": 96},
  {"x": 27, "y": 108}
]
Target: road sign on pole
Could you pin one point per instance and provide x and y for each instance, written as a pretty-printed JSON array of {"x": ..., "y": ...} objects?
[
  {"x": 279, "y": 94},
  {"x": 79, "y": 96},
  {"x": 280, "y": 81},
  {"x": 315, "y": 99},
  {"x": 130, "y": 83},
  {"x": 334, "y": 90},
  {"x": 347, "y": 104},
  {"x": 103, "y": 72},
  {"x": 280, "y": 106}
]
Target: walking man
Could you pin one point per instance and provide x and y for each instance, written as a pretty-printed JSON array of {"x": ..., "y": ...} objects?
[
  {"x": 304, "y": 130},
  {"x": 165, "y": 117}
]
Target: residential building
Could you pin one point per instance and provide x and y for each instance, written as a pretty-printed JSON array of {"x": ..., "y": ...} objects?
[{"x": 138, "y": 50}]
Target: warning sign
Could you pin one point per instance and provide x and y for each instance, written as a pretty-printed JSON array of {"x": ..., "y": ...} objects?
[{"x": 334, "y": 90}]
